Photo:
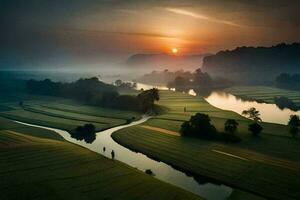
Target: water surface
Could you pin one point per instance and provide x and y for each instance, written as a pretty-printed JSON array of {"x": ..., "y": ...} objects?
[
  {"x": 161, "y": 170},
  {"x": 269, "y": 112}
]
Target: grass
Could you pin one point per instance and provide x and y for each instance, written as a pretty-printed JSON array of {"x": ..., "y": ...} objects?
[
  {"x": 62, "y": 113},
  {"x": 264, "y": 93},
  {"x": 268, "y": 166},
  {"x": 39, "y": 164}
]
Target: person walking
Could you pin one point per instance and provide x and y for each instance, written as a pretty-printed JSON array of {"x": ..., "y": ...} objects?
[{"x": 112, "y": 154}]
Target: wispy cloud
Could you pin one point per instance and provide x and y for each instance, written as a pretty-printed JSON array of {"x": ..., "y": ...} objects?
[
  {"x": 141, "y": 34},
  {"x": 199, "y": 16}
]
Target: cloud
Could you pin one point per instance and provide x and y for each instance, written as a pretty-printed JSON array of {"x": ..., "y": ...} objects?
[
  {"x": 198, "y": 16},
  {"x": 141, "y": 34}
]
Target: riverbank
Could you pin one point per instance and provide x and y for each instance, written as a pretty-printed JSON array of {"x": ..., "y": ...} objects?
[
  {"x": 267, "y": 160},
  {"x": 59, "y": 169},
  {"x": 264, "y": 94}
]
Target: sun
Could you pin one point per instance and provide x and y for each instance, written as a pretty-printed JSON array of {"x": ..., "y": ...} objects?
[{"x": 174, "y": 50}]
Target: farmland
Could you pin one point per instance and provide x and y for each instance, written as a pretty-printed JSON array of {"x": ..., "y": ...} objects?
[
  {"x": 41, "y": 162},
  {"x": 268, "y": 166},
  {"x": 63, "y": 114},
  {"x": 264, "y": 93}
]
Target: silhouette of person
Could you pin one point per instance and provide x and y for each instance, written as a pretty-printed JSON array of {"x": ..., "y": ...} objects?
[
  {"x": 112, "y": 154},
  {"x": 104, "y": 149}
]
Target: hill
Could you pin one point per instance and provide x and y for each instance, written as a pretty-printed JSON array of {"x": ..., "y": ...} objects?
[{"x": 252, "y": 64}]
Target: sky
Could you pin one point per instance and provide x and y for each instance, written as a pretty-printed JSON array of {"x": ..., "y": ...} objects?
[{"x": 63, "y": 33}]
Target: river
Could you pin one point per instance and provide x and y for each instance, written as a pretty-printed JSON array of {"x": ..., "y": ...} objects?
[
  {"x": 268, "y": 112},
  {"x": 161, "y": 170}
]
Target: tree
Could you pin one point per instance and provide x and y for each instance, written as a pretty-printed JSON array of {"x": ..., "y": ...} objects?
[
  {"x": 253, "y": 114},
  {"x": 118, "y": 82},
  {"x": 180, "y": 83},
  {"x": 255, "y": 128},
  {"x": 294, "y": 124},
  {"x": 85, "y": 132},
  {"x": 199, "y": 126},
  {"x": 147, "y": 99},
  {"x": 231, "y": 126}
]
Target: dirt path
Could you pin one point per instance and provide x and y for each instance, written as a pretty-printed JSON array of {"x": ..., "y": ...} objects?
[
  {"x": 258, "y": 157},
  {"x": 229, "y": 154},
  {"x": 161, "y": 130}
]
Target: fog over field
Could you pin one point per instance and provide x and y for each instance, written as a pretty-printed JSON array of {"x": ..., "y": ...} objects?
[{"x": 156, "y": 99}]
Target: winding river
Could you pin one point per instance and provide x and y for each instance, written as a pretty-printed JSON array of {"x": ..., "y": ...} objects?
[{"x": 161, "y": 170}]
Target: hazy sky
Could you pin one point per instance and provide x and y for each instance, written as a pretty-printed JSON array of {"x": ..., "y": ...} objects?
[{"x": 72, "y": 32}]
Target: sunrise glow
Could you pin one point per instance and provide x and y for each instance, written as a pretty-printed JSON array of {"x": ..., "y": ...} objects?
[{"x": 174, "y": 51}]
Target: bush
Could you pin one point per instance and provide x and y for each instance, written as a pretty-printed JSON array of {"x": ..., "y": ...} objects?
[
  {"x": 199, "y": 126},
  {"x": 255, "y": 128},
  {"x": 294, "y": 124},
  {"x": 149, "y": 171},
  {"x": 230, "y": 126},
  {"x": 86, "y": 132}
]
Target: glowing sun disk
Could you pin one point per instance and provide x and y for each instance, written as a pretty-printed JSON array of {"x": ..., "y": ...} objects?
[{"x": 174, "y": 50}]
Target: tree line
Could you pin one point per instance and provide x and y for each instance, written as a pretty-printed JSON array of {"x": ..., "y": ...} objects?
[
  {"x": 199, "y": 81},
  {"x": 94, "y": 92},
  {"x": 288, "y": 81},
  {"x": 199, "y": 126}
]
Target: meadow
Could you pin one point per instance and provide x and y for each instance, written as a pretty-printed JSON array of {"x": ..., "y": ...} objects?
[
  {"x": 268, "y": 166},
  {"x": 63, "y": 113},
  {"x": 264, "y": 93},
  {"x": 39, "y": 164}
]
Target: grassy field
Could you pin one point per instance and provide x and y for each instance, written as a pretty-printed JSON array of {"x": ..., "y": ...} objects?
[
  {"x": 264, "y": 93},
  {"x": 268, "y": 166},
  {"x": 62, "y": 113},
  {"x": 39, "y": 164},
  {"x": 175, "y": 116}
]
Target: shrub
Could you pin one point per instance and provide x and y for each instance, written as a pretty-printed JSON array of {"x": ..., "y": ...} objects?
[
  {"x": 199, "y": 126},
  {"x": 85, "y": 132},
  {"x": 294, "y": 124},
  {"x": 230, "y": 126},
  {"x": 255, "y": 128}
]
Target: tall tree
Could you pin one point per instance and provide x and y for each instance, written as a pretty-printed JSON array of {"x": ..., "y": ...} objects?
[{"x": 253, "y": 114}]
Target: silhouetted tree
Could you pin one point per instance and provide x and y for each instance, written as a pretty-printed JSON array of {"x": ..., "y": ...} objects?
[
  {"x": 255, "y": 128},
  {"x": 199, "y": 126},
  {"x": 147, "y": 99},
  {"x": 231, "y": 126},
  {"x": 294, "y": 124},
  {"x": 252, "y": 113},
  {"x": 85, "y": 132}
]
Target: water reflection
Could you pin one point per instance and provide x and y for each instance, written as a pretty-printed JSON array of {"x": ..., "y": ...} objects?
[
  {"x": 162, "y": 171},
  {"x": 143, "y": 86},
  {"x": 269, "y": 112}
]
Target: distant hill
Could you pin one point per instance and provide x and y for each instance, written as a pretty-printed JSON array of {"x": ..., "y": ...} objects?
[
  {"x": 165, "y": 61},
  {"x": 254, "y": 64}
]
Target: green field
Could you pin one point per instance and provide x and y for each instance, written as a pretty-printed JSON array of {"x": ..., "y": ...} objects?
[
  {"x": 268, "y": 166},
  {"x": 264, "y": 93},
  {"x": 39, "y": 164},
  {"x": 62, "y": 113}
]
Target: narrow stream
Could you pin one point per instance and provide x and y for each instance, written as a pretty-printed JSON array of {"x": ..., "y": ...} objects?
[{"x": 162, "y": 171}]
